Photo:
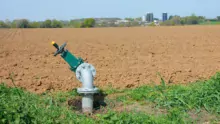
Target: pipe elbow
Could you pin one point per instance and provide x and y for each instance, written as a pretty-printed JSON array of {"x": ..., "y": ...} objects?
[{"x": 87, "y": 78}]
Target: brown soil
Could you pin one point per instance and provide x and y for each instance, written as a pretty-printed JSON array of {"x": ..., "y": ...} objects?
[
  {"x": 203, "y": 117},
  {"x": 123, "y": 57}
]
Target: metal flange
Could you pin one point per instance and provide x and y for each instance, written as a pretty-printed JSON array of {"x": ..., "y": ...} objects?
[
  {"x": 87, "y": 91},
  {"x": 84, "y": 66}
]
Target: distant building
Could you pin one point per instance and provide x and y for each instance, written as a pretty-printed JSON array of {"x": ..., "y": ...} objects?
[
  {"x": 156, "y": 22},
  {"x": 121, "y": 21},
  {"x": 144, "y": 18},
  {"x": 164, "y": 16},
  {"x": 150, "y": 17}
]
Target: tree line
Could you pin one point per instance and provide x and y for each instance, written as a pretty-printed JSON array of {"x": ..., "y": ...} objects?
[
  {"x": 188, "y": 20},
  {"x": 103, "y": 22},
  {"x": 24, "y": 23}
]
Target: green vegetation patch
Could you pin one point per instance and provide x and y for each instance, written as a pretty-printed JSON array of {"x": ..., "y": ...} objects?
[
  {"x": 182, "y": 104},
  {"x": 210, "y": 23},
  {"x": 18, "y": 106},
  {"x": 199, "y": 95},
  {"x": 141, "y": 118}
]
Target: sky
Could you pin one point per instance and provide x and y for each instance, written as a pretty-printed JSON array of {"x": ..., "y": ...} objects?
[{"x": 39, "y": 10}]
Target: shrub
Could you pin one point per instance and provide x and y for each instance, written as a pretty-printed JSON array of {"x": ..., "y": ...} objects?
[
  {"x": 3, "y": 25},
  {"x": 34, "y": 25},
  {"x": 75, "y": 24},
  {"x": 22, "y": 23},
  {"x": 152, "y": 24},
  {"x": 46, "y": 24},
  {"x": 88, "y": 23},
  {"x": 56, "y": 24}
]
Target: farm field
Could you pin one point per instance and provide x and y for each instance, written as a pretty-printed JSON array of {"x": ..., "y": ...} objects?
[
  {"x": 123, "y": 57},
  {"x": 181, "y": 60}
]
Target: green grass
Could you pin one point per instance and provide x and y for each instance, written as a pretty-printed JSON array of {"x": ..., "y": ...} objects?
[
  {"x": 210, "y": 23},
  {"x": 198, "y": 95},
  {"x": 19, "y": 106},
  {"x": 141, "y": 118}
]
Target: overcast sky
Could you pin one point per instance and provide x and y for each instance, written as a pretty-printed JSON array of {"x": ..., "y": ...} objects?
[{"x": 71, "y": 9}]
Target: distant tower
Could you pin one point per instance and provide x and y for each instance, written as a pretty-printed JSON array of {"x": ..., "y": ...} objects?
[
  {"x": 164, "y": 16},
  {"x": 150, "y": 17}
]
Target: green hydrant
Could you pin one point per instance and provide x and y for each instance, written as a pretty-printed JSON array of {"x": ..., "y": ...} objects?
[{"x": 85, "y": 73}]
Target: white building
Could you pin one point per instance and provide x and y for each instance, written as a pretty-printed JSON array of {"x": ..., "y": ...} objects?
[
  {"x": 121, "y": 21},
  {"x": 144, "y": 18}
]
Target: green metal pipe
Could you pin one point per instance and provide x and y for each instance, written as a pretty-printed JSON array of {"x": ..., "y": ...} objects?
[
  {"x": 67, "y": 56},
  {"x": 71, "y": 60}
]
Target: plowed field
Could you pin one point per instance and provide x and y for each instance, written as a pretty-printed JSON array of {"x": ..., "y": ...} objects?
[{"x": 123, "y": 57}]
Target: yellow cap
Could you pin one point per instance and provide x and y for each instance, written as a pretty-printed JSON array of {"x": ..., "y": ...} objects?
[{"x": 53, "y": 43}]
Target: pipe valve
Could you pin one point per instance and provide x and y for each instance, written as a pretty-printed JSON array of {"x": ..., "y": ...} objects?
[
  {"x": 85, "y": 73},
  {"x": 59, "y": 49}
]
